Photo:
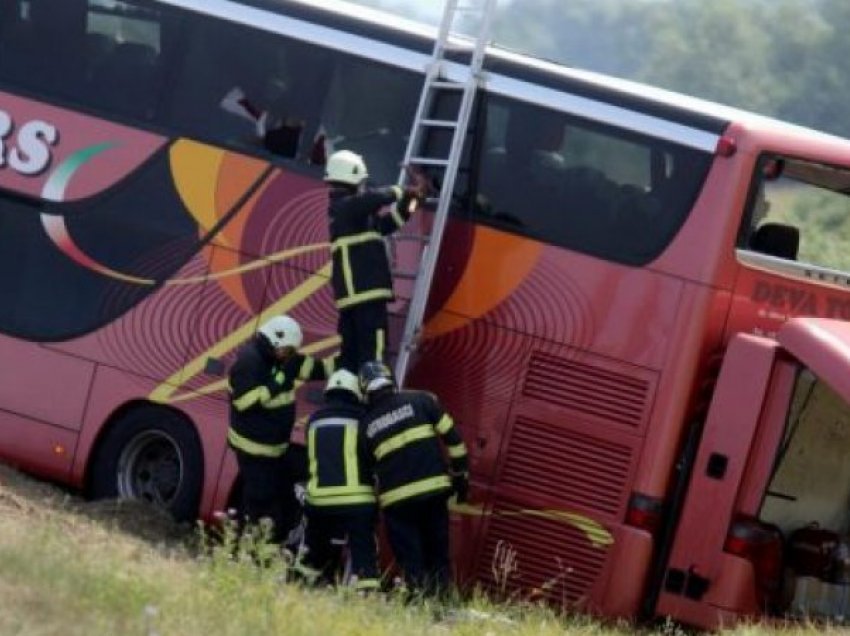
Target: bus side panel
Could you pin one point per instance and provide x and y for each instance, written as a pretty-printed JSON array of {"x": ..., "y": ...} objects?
[
  {"x": 43, "y": 449},
  {"x": 95, "y": 152},
  {"x": 38, "y": 383},
  {"x": 763, "y": 301},
  {"x": 696, "y": 335},
  {"x": 632, "y": 553}
]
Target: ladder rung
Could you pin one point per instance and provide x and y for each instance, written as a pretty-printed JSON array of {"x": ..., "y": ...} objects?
[
  {"x": 458, "y": 47},
  {"x": 421, "y": 238},
  {"x": 439, "y": 123},
  {"x": 429, "y": 161},
  {"x": 447, "y": 84},
  {"x": 406, "y": 275}
]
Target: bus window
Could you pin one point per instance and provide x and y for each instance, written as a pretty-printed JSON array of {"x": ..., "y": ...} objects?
[
  {"x": 105, "y": 54},
  {"x": 249, "y": 89},
  {"x": 42, "y": 45},
  {"x": 588, "y": 187},
  {"x": 800, "y": 211},
  {"x": 371, "y": 124},
  {"x": 811, "y": 479},
  {"x": 126, "y": 63}
]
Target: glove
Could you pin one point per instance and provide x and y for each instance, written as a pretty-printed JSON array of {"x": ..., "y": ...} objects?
[
  {"x": 460, "y": 487},
  {"x": 414, "y": 193},
  {"x": 418, "y": 188}
]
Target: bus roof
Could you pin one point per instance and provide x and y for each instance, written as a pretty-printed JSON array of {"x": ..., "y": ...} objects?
[{"x": 397, "y": 30}]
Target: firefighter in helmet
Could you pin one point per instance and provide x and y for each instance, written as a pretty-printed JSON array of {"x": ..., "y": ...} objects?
[
  {"x": 262, "y": 383},
  {"x": 408, "y": 434},
  {"x": 341, "y": 504},
  {"x": 361, "y": 276}
]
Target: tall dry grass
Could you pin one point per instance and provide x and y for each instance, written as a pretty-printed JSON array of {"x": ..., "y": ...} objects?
[{"x": 75, "y": 568}]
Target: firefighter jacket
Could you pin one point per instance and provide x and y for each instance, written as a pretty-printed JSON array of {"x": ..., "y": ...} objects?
[
  {"x": 402, "y": 430},
  {"x": 262, "y": 397},
  {"x": 340, "y": 464},
  {"x": 361, "y": 269}
]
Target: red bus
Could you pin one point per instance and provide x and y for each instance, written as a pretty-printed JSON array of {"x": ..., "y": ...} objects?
[{"x": 160, "y": 193}]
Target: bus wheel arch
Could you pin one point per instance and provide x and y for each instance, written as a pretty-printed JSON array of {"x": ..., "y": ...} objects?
[{"x": 151, "y": 452}]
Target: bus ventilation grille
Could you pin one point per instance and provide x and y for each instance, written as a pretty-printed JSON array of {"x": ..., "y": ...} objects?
[
  {"x": 550, "y": 461},
  {"x": 594, "y": 391},
  {"x": 529, "y": 556}
]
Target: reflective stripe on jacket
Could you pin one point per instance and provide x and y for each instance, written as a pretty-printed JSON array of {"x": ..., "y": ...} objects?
[
  {"x": 404, "y": 432},
  {"x": 361, "y": 270},
  {"x": 262, "y": 397},
  {"x": 340, "y": 466}
]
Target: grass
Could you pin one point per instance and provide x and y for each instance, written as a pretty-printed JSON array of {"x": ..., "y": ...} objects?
[{"x": 75, "y": 568}]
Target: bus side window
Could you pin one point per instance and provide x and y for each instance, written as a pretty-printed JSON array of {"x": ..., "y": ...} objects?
[
  {"x": 249, "y": 89},
  {"x": 359, "y": 115},
  {"x": 522, "y": 169},
  {"x": 126, "y": 48},
  {"x": 766, "y": 234},
  {"x": 799, "y": 211},
  {"x": 583, "y": 185},
  {"x": 776, "y": 239},
  {"x": 26, "y": 58},
  {"x": 126, "y": 80}
]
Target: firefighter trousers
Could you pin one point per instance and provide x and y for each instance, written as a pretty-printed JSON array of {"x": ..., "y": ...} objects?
[
  {"x": 328, "y": 530},
  {"x": 268, "y": 489},
  {"x": 418, "y": 533},
  {"x": 363, "y": 329}
]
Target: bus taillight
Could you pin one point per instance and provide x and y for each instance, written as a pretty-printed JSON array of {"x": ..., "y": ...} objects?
[
  {"x": 644, "y": 512},
  {"x": 762, "y": 545}
]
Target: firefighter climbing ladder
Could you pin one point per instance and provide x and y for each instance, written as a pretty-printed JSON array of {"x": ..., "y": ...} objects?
[{"x": 480, "y": 13}]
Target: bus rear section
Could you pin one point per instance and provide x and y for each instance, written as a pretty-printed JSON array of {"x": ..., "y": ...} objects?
[
  {"x": 765, "y": 523},
  {"x": 577, "y": 390}
]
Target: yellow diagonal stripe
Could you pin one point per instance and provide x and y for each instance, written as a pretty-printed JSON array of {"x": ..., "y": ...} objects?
[
  {"x": 594, "y": 531},
  {"x": 166, "y": 389}
]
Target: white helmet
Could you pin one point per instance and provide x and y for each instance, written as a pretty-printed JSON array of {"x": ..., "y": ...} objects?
[
  {"x": 345, "y": 166},
  {"x": 344, "y": 380},
  {"x": 282, "y": 331}
]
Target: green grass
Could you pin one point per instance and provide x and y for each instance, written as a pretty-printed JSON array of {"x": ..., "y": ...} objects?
[{"x": 74, "y": 568}]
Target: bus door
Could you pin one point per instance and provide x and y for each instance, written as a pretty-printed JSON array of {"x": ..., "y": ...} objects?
[{"x": 767, "y": 501}]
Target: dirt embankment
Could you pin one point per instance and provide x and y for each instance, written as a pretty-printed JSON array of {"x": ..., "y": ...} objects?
[{"x": 23, "y": 496}]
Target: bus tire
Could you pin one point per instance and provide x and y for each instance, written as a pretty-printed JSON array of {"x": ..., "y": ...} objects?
[{"x": 153, "y": 454}]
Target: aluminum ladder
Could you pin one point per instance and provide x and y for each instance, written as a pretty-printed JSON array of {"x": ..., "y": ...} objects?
[{"x": 472, "y": 49}]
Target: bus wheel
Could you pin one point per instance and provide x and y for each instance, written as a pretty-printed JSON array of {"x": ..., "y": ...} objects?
[{"x": 152, "y": 454}]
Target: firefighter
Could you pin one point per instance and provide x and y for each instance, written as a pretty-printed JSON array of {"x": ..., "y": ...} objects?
[
  {"x": 361, "y": 276},
  {"x": 262, "y": 385},
  {"x": 403, "y": 431},
  {"x": 341, "y": 500}
]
